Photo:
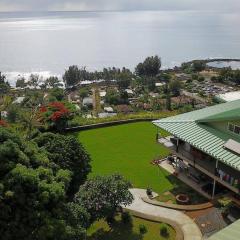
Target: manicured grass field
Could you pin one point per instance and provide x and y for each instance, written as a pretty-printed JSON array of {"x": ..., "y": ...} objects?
[
  {"x": 120, "y": 231},
  {"x": 128, "y": 149}
]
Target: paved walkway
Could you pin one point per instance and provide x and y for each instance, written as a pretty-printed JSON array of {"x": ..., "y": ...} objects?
[
  {"x": 194, "y": 207},
  {"x": 185, "y": 227}
]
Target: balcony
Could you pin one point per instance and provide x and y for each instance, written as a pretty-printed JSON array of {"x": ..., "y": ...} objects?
[{"x": 204, "y": 163}]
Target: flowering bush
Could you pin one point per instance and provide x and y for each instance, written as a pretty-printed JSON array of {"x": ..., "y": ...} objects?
[
  {"x": 3, "y": 123},
  {"x": 55, "y": 114}
]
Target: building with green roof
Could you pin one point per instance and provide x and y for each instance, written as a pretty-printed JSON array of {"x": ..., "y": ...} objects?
[
  {"x": 209, "y": 141},
  {"x": 232, "y": 232}
]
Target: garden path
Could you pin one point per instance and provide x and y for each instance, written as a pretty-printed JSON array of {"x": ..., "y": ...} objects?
[{"x": 186, "y": 228}]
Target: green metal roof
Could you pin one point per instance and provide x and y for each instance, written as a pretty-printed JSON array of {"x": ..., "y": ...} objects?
[
  {"x": 230, "y": 115},
  {"x": 213, "y": 111},
  {"x": 192, "y": 128},
  {"x": 232, "y": 232}
]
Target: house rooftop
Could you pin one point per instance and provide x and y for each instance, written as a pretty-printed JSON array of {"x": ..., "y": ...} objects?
[
  {"x": 230, "y": 96},
  {"x": 192, "y": 127},
  {"x": 229, "y": 233}
]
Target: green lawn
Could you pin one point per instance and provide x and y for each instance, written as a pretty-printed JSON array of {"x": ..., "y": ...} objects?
[
  {"x": 120, "y": 231},
  {"x": 128, "y": 149}
]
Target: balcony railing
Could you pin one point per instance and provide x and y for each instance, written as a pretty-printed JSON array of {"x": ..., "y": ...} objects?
[{"x": 206, "y": 166}]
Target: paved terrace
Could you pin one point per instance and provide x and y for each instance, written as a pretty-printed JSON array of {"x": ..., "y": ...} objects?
[{"x": 185, "y": 227}]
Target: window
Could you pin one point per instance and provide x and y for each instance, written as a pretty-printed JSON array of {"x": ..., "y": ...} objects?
[
  {"x": 237, "y": 130},
  {"x": 234, "y": 128},
  {"x": 231, "y": 127}
]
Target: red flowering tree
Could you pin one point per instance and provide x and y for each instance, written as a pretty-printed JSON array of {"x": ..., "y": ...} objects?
[{"x": 56, "y": 115}]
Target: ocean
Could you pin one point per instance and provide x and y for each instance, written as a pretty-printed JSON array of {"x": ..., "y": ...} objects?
[{"x": 48, "y": 42}]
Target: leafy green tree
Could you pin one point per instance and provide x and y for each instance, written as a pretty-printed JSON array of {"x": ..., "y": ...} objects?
[
  {"x": 57, "y": 93},
  {"x": 12, "y": 113},
  {"x": 175, "y": 87},
  {"x": 21, "y": 82},
  {"x": 73, "y": 75},
  {"x": 53, "y": 82},
  {"x": 123, "y": 97},
  {"x": 237, "y": 76},
  {"x": 124, "y": 79},
  {"x": 4, "y": 85},
  {"x": 67, "y": 153},
  {"x": 150, "y": 83},
  {"x": 198, "y": 66},
  {"x": 34, "y": 80},
  {"x": 29, "y": 114},
  {"x": 101, "y": 196},
  {"x": 33, "y": 194},
  {"x": 112, "y": 97},
  {"x": 140, "y": 69},
  {"x": 6, "y": 101},
  {"x": 83, "y": 92},
  {"x": 165, "y": 77},
  {"x": 229, "y": 75},
  {"x": 150, "y": 67},
  {"x": 201, "y": 79}
]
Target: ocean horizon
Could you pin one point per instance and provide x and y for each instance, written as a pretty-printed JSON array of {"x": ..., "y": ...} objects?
[{"x": 48, "y": 42}]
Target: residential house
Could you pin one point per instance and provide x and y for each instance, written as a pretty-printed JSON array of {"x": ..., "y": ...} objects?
[
  {"x": 208, "y": 142},
  {"x": 229, "y": 233}
]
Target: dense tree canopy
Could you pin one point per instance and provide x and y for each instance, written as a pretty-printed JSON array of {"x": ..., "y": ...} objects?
[
  {"x": 33, "y": 194},
  {"x": 150, "y": 67},
  {"x": 4, "y": 85},
  {"x": 35, "y": 177},
  {"x": 228, "y": 75},
  {"x": 112, "y": 97},
  {"x": 194, "y": 66},
  {"x": 198, "y": 66},
  {"x": 175, "y": 87},
  {"x": 53, "y": 82},
  {"x": 56, "y": 94},
  {"x": 21, "y": 82},
  {"x": 12, "y": 113},
  {"x": 74, "y": 75},
  {"x": 67, "y": 153},
  {"x": 34, "y": 80},
  {"x": 102, "y": 195}
]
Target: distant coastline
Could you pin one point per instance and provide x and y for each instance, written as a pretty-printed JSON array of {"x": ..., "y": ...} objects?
[{"x": 14, "y": 75}]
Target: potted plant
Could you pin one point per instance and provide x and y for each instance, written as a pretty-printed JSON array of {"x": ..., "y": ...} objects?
[{"x": 149, "y": 192}]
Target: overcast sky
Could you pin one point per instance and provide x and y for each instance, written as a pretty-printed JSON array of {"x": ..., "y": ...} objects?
[{"x": 98, "y": 5}]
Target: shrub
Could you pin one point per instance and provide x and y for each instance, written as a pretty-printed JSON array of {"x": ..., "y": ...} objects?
[
  {"x": 201, "y": 79},
  {"x": 164, "y": 232},
  {"x": 194, "y": 76},
  {"x": 110, "y": 220},
  {"x": 3, "y": 123},
  {"x": 126, "y": 217},
  {"x": 142, "y": 229}
]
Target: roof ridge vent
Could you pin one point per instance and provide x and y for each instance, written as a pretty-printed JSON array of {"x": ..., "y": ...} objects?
[{"x": 233, "y": 146}]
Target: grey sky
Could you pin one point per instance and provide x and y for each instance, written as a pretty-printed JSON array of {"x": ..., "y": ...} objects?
[{"x": 88, "y": 5}]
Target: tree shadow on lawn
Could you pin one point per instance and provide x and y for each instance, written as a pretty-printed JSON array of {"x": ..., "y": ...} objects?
[
  {"x": 182, "y": 188},
  {"x": 119, "y": 231}
]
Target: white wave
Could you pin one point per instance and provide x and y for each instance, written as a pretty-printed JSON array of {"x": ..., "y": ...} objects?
[{"x": 13, "y": 76}]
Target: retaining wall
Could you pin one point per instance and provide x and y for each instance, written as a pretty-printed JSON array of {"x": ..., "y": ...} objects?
[{"x": 107, "y": 124}]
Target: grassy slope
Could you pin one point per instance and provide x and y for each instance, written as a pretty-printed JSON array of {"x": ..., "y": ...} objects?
[
  {"x": 128, "y": 150},
  {"x": 100, "y": 231}
]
